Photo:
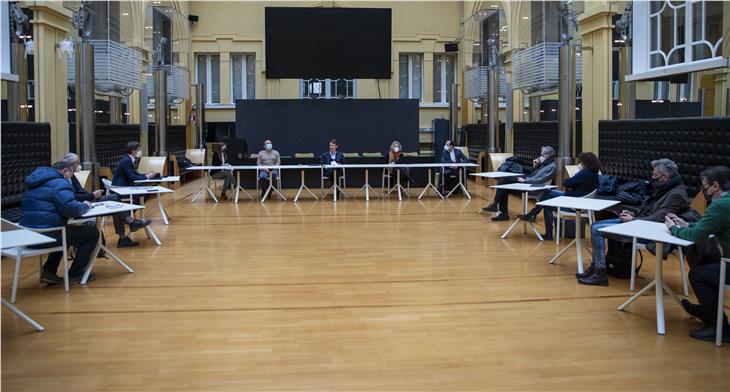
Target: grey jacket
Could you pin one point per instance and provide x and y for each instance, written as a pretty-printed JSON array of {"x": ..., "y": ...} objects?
[{"x": 543, "y": 173}]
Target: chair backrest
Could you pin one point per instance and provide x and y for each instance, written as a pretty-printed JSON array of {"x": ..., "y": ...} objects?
[
  {"x": 372, "y": 155},
  {"x": 699, "y": 203},
  {"x": 304, "y": 155},
  {"x": 254, "y": 156},
  {"x": 496, "y": 159},
  {"x": 591, "y": 195},
  {"x": 8, "y": 225},
  {"x": 106, "y": 172},
  {"x": 153, "y": 164},
  {"x": 107, "y": 183},
  {"x": 464, "y": 150},
  {"x": 83, "y": 177},
  {"x": 351, "y": 155},
  {"x": 196, "y": 155},
  {"x": 410, "y": 154}
]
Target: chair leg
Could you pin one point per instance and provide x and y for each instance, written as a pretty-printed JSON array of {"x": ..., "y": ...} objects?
[
  {"x": 684, "y": 274},
  {"x": 16, "y": 275},
  {"x": 632, "y": 282},
  {"x": 720, "y": 304},
  {"x": 65, "y": 266},
  {"x": 557, "y": 227}
]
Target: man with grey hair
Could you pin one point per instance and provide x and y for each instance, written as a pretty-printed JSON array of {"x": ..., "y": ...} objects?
[
  {"x": 120, "y": 219},
  {"x": 543, "y": 171},
  {"x": 668, "y": 197}
]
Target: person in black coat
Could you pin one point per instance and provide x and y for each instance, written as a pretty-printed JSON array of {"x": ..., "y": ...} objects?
[
  {"x": 453, "y": 155},
  {"x": 332, "y": 157},
  {"x": 120, "y": 219},
  {"x": 125, "y": 174},
  {"x": 582, "y": 183}
]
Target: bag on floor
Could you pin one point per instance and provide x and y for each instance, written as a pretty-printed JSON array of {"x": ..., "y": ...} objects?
[
  {"x": 703, "y": 252},
  {"x": 618, "y": 259}
]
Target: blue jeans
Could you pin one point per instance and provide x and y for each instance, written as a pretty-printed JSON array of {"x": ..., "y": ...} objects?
[
  {"x": 264, "y": 175},
  {"x": 598, "y": 240},
  {"x": 548, "y": 211}
]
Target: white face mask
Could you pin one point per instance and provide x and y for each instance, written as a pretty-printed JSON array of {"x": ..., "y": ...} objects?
[
  {"x": 541, "y": 159},
  {"x": 446, "y": 147},
  {"x": 138, "y": 154},
  {"x": 268, "y": 146},
  {"x": 396, "y": 149}
]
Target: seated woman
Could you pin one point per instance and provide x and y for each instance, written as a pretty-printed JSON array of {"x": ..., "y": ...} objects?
[
  {"x": 229, "y": 181},
  {"x": 582, "y": 183},
  {"x": 395, "y": 156}
]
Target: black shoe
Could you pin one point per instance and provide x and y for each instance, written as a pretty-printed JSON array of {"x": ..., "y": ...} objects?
[
  {"x": 708, "y": 334},
  {"x": 526, "y": 217},
  {"x": 598, "y": 278},
  {"x": 50, "y": 278},
  {"x": 694, "y": 310},
  {"x": 138, "y": 224},
  {"x": 77, "y": 278},
  {"x": 126, "y": 243},
  {"x": 489, "y": 208},
  {"x": 501, "y": 217},
  {"x": 588, "y": 272},
  {"x": 548, "y": 237}
]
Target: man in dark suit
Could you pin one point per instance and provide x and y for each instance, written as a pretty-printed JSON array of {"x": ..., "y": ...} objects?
[
  {"x": 454, "y": 155},
  {"x": 98, "y": 195},
  {"x": 332, "y": 157},
  {"x": 125, "y": 173}
]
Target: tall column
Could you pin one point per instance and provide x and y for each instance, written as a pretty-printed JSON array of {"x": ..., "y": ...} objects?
[
  {"x": 225, "y": 72},
  {"x": 51, "y": 24},
  {"x": 427, "y": 72},
  {"x": 595, "y": 29}
]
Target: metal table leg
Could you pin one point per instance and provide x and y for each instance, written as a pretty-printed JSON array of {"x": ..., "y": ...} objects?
[
  {"x": 304, "y": 187},
  {"x": 430, "y": 186},
  {"x": 23, "y": 316}
]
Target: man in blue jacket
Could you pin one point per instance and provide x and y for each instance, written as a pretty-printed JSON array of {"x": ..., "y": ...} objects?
[
  {"x": 125, "y": 173},
  {"x": 98, "y": 195},
  {"x": 450, "y": 154},
  {"x": 49, "y": 202},
  {"x": 332, "y": 157}
]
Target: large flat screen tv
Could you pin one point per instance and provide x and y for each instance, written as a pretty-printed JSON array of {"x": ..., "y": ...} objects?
[{"x": 335, "y": 43}]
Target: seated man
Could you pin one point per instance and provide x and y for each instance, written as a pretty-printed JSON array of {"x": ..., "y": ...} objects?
[
  {"x": 268, "y": 157},
  {"x": 450, "y": 154},
  {"x": 543, "y": 172},
  {"x": 705, "y": 278},
  {"x": 125, "y": 173},
  {"x": 49, "y": 202},
  {"x": 669, "y": 196},
  {"x": 81, "y": 194},
  {"x": 229, "y": 181},
  {"x": 332, "y": 157}
]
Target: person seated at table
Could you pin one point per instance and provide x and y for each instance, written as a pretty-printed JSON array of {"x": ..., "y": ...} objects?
[
  {"x": 81, "y": 194},
  {"x": 582, "y": 183},
  {"x": 396, "y": 157},
  {"x": 125, "y": 174},
  {"x": 668, "y": 197},
  {"x": 268, "y": 157},
  {"x": 451, "y": 154},
  {"x": 705, "y": 278},
  {"x": 229, "y": 181},
  {"x": 332, "y": 157},
  {"x": 543, "y": 172},
  {"x": 49, "y": 202}
]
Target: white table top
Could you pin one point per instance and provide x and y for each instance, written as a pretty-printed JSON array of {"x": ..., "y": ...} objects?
[
  {"x": 345, "y": 166},
  {"x": 139, "y": 190},
  {"x": 157, "y": 180},
  {"x": 522, "y": 187},
  {"x": 578, "y": 203},
  {"x": 652, "y": 231},
  {"x": 23, "y": 237},
  {"x": 496, "y": 174},
  {"x": 103, "y": 208}
]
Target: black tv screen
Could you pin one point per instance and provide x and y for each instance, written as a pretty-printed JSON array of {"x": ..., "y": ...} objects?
[{"x": 335, "y": 43}]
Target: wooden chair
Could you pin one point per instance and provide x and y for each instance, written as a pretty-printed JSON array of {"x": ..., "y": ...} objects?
[
  {"x": 494, "y": 161},
  {"x": 20, "y": 252},
  {"x": 83, "y": 177},
  {"x": 304, "y": 155},
  {"x": 153, "y": 164},
  {"x": 410, "y": 154},
  {"x": 372, "y": 155},
  {"x": 699, "y": 203},
  {"x": 351, "y": 155},
  {"x": 196, "y": 155}
]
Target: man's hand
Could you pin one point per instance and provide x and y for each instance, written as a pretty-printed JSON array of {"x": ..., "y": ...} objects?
[
  {"x": 673, "y": 220},
  {"x": 98, "y": 193},
  {"x": 86, "y": 203},
  {"x": 626, "y": 216},
  {"x": 150, "y": 175}
]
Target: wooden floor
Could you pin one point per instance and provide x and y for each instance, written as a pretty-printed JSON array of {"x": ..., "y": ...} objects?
[{"x": 386, "y": 295}]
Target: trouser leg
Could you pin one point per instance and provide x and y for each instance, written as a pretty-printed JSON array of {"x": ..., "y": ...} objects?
[
  {"x": 705, "y": 281},
  {"x": 598, "y": 241}
]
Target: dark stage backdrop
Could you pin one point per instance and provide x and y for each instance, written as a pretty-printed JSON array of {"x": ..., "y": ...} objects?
[{"x": 306, "y": 125}]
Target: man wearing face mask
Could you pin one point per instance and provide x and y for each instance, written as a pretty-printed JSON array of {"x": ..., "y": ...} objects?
[
  {"x": 267, "y": 157},
  {"x": 332, "y": 157},
  {"x": 120, "y": 219},
  {"x": 229, "y": 181},
  {"x": 125, "y": 173},
  {"x": 49, "y": 202},
  {"x": 543, "y": 171},
  {"x": 668, "y": 197},
  {"x": 451, "y": 155},
  {"x": 705, "y": 278}
]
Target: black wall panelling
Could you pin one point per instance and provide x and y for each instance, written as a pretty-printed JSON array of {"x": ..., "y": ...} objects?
[
  {"x": 529, "y": 137},
  {"x": 25, "y": 146},
  {"x": 627, "y": 147},
  {"x": 111, "y": 142},
  {"x": 477, "y": 138},
  {"x": 307, "y": 125}
]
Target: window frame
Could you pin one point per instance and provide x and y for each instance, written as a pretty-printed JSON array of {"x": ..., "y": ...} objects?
[
  {"x": 247, "y": 56},
  {"x": 208, "y": 76},
  {"x": 410, "y": 74},
  {"x": 444, "y": 98}
]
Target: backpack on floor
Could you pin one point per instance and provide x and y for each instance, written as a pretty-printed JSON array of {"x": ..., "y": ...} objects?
[{"x": 618, "y": 259}]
